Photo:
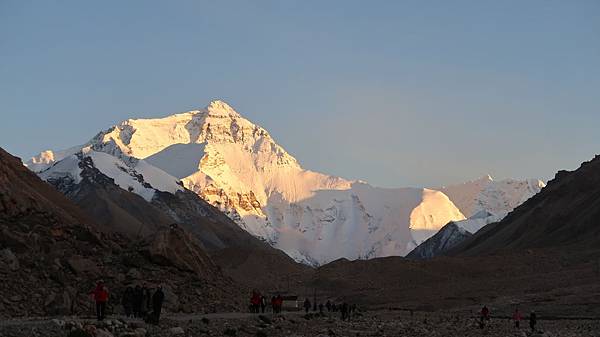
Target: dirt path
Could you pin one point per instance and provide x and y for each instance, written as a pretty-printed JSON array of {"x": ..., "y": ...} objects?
[{"x": 32, "y": 321}]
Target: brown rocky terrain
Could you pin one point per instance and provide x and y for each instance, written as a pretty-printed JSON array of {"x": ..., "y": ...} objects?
[
  {"x": 365, "y": 323},
  {"x": 51, "y": 254}
]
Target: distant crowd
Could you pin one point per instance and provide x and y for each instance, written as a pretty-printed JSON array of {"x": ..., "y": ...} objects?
[
  {"x": 259, "y": 304},
  {"x": 485, "y": 316},
  {"x": 138, "y": 302}
]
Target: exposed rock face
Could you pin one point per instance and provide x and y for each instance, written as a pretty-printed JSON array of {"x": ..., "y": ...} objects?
[
  {"x": 446, "y": 238},
  {"x": 175, "y": 247}
]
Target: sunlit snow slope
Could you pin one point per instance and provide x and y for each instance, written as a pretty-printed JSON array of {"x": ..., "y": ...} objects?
[{"x": 237, "y": 166}]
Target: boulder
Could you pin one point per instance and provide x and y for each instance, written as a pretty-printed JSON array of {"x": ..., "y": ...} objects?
[
  {"x": 176, "y": 331},
  {"x": 81, "y": 265},
  {"x": 8, "y": 257},
  {"x": 171, "y": 303}
]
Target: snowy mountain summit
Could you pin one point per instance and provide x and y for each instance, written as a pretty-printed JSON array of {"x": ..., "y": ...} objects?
[{"x": 237, "y": 166}]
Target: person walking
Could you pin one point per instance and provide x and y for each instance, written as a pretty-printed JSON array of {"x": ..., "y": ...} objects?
[
  {"x": 100, "y": 294},
  {"x": 517, "y": 318},
  {"x": 344, "y": 311},
  {"x": 144, "y": 301},
  {"x": 157, "y": 301},
  {"x": 127, "y": 301},
  {"x": 307, "y": 305},
  {"x": 328, "y": 305},
  {"x": 138, "y": 296},
  {"x": 484, "y": 316},
  {"x": 255, "y": 302},
  {"x": 279, "y": 304},
  {"x": 532, "y": 320},
  {"x": 263, "y": 303}
]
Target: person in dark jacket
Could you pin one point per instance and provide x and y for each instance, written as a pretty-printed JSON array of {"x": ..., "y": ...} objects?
[
  {"x": 344, "y": 310},
  {"x": 328, "y": 305},
  {"x": 145, "y": 298},
  {"x": 320, "y": 308},
  {"x": 263, "y": 303},
  {"x": 127, "y": 301},
  {"x": 148, "y": 296},
  {"x": 157, "y": 301},
  {"x": 307, "y": 305},
  {"x": 532, "y": 320},
  {"x": 138, "y": 295}
]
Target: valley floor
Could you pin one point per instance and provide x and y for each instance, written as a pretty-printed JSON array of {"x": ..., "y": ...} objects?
[{"x": 373, "y": 323}]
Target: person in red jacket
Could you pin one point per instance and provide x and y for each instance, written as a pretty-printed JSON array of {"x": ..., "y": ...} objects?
[
  {"x": 100, "y": 294},
  {"x": 517, "y": 318}
]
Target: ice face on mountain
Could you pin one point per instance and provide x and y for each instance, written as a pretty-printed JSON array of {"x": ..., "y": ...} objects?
[{"x": 237, "y": 166}]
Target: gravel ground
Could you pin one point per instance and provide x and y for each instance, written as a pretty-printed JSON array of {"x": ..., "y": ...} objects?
[{"x": 379, "y": 323}]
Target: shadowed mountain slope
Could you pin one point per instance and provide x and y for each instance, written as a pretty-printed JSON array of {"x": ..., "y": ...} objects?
[{"x": 564, "y": 213}]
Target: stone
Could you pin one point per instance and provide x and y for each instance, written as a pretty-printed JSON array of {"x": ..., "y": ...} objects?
[
  {"x": 265, "y": 319},
  {"x": 10, "y": 259},
  {"x": 16, "y": 298},
  {"x": 230, "y": 332},
  {"x": 134, "y": 274},
  {"x": 176, "y": 331},
  {"x": 103, "y": 333},
  {"x": 140, "y": 332},
  {"x": 82, "y": 265}
]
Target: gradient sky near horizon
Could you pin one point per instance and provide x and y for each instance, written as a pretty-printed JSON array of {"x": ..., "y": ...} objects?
[{"x": 397, "y": 93}]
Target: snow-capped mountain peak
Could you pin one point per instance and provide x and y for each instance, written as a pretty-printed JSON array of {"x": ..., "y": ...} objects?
[
  {"x": 237, "y": 166},
  {"x": 220, "y": 108}
]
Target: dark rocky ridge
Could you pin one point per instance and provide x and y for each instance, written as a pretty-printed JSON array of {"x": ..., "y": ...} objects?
[
  {"x": 52, "y": 253},
  {"x": 564, "y": 215},
  {"x": 445, "y": 239}
]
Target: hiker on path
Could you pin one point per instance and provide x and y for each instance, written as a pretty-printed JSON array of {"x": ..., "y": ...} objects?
[
  {"x": 344, "y": 311},
  {"x": 328, "y": 305},
  {"x": 157, "y": 301},
  {"x": 138, "y": 295},
  {"x": 100, "y": 294},
  {"x": 263, "y": 303},
  {"x": 255, "y": 302},
  {"x": 127, "y": 301},
  {"x": 279, "y": 305},
  {"x": 144, "y": 299},
  {"x": 307, "y": 305},
  {"x": 484, "y": 316},
  {"x": 517, "y": 318},
  {"x": 532, "y": 320}
]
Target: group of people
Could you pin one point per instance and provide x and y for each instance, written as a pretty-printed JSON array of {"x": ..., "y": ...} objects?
[
  {"x": 138, "y": 302},
  {"x": 485, "y": 316},
  {"x": 258, "y": 303}
]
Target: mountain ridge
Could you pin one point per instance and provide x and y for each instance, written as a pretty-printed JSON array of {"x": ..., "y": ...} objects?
[{"x": 236, "y": 166}]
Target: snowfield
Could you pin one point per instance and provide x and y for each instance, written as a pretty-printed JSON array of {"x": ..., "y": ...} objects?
[{"x": 238, "y": 167}]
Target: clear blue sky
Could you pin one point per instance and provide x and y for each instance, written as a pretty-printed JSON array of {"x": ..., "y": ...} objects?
[{"x": 398, "y": 93}]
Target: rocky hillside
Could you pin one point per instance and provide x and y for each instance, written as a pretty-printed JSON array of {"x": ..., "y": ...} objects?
[
  {"x": 51, "y": 254},
  {"x": 565, "y": 213},
  {"x": 446, "y": 238}
]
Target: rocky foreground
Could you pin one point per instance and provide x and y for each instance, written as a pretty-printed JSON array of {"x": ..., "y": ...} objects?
[{"x": 378, "y": 323}]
